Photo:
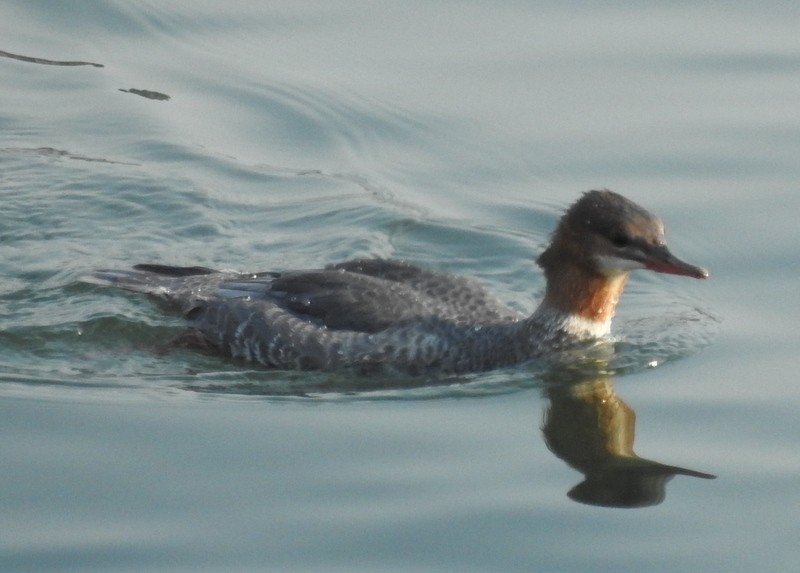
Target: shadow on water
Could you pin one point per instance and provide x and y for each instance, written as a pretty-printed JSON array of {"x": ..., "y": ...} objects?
[
  {"x": 147, "y": 94},
  {"x": 586, "y": 423},
  {"x": 592, "y": 429},
  {"x": 46, "y": 62}
]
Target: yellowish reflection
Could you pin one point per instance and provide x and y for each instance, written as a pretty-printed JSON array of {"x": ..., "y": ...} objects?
[{"x": 592, "y": 429}]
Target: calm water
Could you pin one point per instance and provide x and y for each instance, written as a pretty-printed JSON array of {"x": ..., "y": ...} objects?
[{"x": 287, "y": 134}]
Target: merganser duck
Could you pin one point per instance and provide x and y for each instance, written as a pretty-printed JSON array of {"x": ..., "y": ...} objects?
[{"x": 374, "y": 314}]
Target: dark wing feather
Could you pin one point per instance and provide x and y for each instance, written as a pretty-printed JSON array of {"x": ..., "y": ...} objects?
[
  {"x": 371, "y": 295},
  {"x": 460, "y": 298},
  {"x": 349, "y": 301}
]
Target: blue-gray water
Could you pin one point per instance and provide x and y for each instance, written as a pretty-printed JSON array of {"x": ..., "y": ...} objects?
[{"x": 451, "y": 134}]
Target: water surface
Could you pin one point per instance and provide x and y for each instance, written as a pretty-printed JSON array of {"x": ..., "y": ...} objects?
[{"x": 288, "y": 135}]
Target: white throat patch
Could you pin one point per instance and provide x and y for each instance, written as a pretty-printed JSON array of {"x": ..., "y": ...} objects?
[{"x": 610, "y": 264}]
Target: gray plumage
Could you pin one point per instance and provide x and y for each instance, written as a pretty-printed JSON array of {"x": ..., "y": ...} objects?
[{"x": 367, "y": 315}]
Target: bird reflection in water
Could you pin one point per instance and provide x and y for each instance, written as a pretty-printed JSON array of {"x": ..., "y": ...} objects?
[{"x": 592, "y": 429}]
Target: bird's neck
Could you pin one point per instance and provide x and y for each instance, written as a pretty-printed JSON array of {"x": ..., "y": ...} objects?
[{"x": 587, "y": 298}]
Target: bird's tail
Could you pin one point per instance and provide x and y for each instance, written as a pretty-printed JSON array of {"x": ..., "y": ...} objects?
[{"x": 160, "y": 281}]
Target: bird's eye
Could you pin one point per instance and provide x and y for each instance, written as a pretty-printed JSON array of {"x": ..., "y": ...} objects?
[{"x": 619, "y": 239}]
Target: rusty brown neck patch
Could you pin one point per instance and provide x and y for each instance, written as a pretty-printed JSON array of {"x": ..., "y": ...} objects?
[{"x": 578, "y": 292}]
